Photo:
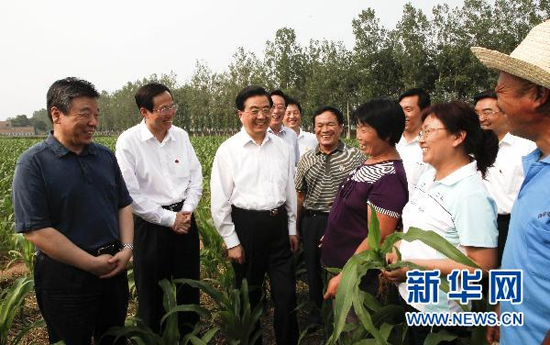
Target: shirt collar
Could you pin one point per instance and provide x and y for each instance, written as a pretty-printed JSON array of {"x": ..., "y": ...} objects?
[
  {"x": 460, "y": 174},
  {"x": 533, "y": 157},
  {"x": 282, "y": 132},
  {"x": 403, "y": 140},
  {"x": 244, "y": 138},
  {"x": 341, "y": 146},
  {"x": 145, "y": 133},
  {"x": 61, "y": 150},
  {"x": 508, "y": 139}
]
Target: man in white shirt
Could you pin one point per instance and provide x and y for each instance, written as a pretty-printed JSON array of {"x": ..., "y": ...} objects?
[
  {"x": 293, "y": 120},
  {"x": 164, "y": 178},
  {"x": 276, "y": 127},
  {"x": 413, "y": 102},
  {"x": 254, "y": 209},
  {"x": 505, "y": 177}
]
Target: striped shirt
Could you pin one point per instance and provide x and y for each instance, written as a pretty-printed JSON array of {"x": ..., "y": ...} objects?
[{"x": 320, "y": 174}]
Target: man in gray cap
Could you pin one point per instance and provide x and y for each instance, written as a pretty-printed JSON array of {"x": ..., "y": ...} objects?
[{"x": 523, "y": 90}]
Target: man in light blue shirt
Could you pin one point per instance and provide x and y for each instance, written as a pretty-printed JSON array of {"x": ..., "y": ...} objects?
[{"x": 523, "y": 91}]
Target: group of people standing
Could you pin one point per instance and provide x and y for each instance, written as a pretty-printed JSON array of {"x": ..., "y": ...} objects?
[{"x": 447, "y": 167}]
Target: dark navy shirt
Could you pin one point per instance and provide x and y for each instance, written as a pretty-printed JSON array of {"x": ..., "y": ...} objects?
[{"x": 78, "y": 195}]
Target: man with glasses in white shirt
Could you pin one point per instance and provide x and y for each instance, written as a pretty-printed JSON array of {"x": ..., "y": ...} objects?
[
  {"x": 505, "y": 177},
  {"x": 164, "y": 178},
  {"x": 276, "y": 126},
  {"x": 254, "y": 209}
]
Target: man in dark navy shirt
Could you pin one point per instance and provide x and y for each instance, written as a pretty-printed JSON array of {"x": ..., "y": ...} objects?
[{"x": 71, "y": 202}]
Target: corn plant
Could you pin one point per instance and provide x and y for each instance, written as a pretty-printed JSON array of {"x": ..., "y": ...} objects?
[
  {"x": 23, "y": 252},
  {"x": 12, "y": 301},
  {"x": 237, "y": 319},
  {"x": 372, "y": 315},
  {"x": 138, "y": 333}
]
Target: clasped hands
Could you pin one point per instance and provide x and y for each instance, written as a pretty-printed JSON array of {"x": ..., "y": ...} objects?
[{"x": 182, "y": 224}]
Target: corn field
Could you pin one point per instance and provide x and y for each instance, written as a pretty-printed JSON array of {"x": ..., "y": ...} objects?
[{"x": 226, "y": 314}]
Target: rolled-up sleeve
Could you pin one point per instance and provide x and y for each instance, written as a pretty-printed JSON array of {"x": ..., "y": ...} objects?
[
  {"x": 291, "y": 203},
  {"x": 194, "y": 190},
  {"x": 29, "y": 198},
  {"x": 221, "y": 189}
]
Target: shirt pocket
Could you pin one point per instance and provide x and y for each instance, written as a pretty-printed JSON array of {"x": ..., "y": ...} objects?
[
  {"x": 181, "y": 170},
  {"x": 538, "y": 245}
]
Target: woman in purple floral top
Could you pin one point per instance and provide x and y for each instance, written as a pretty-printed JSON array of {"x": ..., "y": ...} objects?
[{"x": 380, "y": 182}]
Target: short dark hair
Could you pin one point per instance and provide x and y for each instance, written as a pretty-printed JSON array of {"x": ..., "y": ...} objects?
[
  {"x": 295, "y": 102},
  {"x": 329, "y": 108},
  {"x": 145, "y": 94},
  {"x": 385, "y": 116},
  {"x": 485, "y": 94},
  {"x": 250, "y": 91},
  {"x": 424, "y": 100},
  {"x": 62, "y": 92},
  {"x": 458, "y": 116},
  {"x": 280, "y": 93}
]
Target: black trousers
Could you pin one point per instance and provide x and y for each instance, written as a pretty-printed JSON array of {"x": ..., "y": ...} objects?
[
  {"x": 160, "y": 253},
  {"x": 503, "y": 223},
  {"x": 77, "y": 305},
  {"x": 266, "y": 245},
  {"x": 313, "y": 227}
]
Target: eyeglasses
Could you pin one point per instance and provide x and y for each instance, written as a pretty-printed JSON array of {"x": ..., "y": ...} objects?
[
  {"x": 488, "y": 112},
  {"x": 265, "y": 111},
  {"x": 167, "y": 109},
  {"x": 426, "y": 132}
]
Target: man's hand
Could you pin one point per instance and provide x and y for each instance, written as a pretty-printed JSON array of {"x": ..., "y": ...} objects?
[
  {"x": 332, "y": 287},
  {"x": 120, "y": 260},
  {"x": 182, "y": 223},
  {"x": 101, "y": 265},
  {"x": 236, "y": 254},
  {"x": 294, "y": 243}
]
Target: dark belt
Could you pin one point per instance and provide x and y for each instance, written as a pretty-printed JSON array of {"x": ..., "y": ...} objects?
[
  {"x": 313, "y": 213},
  {"x": 109, "y": 248},
  {"x": 174, "y": 207},
  {"x": 267, "y": 213},
  {"x": 503, "y": 217}
]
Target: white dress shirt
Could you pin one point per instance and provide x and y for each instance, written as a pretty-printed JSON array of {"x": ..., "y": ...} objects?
[
  {"x": 159, "y": 173},
  {"x": 251, "y": 177},
  {"x": 504, "y": 179},
  {"x": 411, "y": 154},
  {"x": 289, "y": 137},
  {"x": 306, "y": 141}
]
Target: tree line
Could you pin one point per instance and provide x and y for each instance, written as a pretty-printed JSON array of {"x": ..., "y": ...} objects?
[{"x": 432, "y": 53}]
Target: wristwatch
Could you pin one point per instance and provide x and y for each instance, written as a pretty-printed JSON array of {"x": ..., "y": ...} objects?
[{"x": 128, "y": 245}]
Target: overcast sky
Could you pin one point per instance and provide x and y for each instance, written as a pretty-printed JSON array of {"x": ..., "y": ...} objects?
[{"x": 112, "y": 42}]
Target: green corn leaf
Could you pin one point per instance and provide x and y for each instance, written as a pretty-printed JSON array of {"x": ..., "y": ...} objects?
[
  {"x": 385, "y": 313},
  {"x": 437, "y": 242},
  {"x": 374, "y": 236},
  {"x": 207, "y": 337},
  {"x": 220, "y": 299},
  {"x": 385, "y": 331},
  {"x": 186, "y": 307},
  {"x": 365, "y": 317}
]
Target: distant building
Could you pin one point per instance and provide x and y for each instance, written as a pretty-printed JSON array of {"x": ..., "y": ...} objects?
[{"x": 7, "y": 129}]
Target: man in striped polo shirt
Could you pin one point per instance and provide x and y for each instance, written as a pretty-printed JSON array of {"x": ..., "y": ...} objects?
[{"x": 320, "y": 172}]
